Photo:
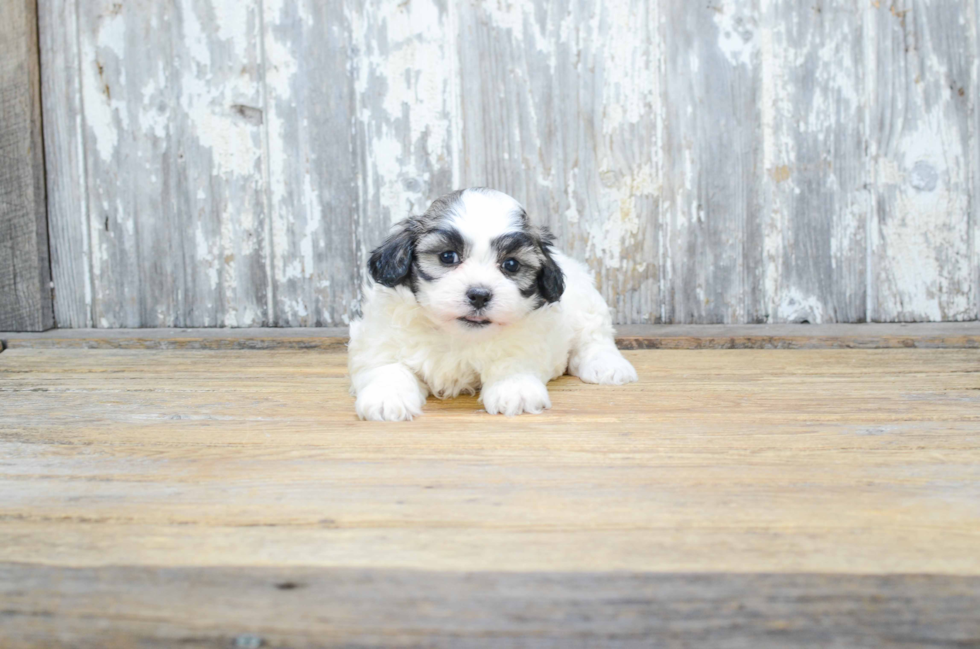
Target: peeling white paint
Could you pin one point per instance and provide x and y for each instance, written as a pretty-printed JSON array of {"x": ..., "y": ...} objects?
[
  {"x": 105, "y": 115},
  {"x": 630, "y": 79},
  {"x": 206, "y": 250},
  {"x": 281, "y": 69},
  {"x": 736, "y": 31},
  {"x": 576, "y": 125},
  {"x": 233, "y": 141},
  {"x": 232, "y": 18},
  {"x": 404, "y": 55},
  {"x": 772, "y": 81},
  {"x": 388, "y": 168},
  {"x": 519, "y": 20},
  {"x": 312, "y": 233},
  {"x": 155, "y": 116},
  {"x": 611, "y": 235},
  {"x": 794, "y": 306},
  {"x": 818, "y": 201},
  {"x": 572, "y": 214},
  {"x": 847, "y": 229},
  {"x": 924, "y": 225},
  {"x": 922, "y": 256}
]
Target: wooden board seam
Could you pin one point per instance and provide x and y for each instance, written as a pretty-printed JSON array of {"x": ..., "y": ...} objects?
[{"x": 872, "y": 336}]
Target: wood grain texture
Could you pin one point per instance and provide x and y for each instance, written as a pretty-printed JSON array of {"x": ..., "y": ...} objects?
[
  {"x": 25, "y": 273},
  {"x": 311, "y": 167},
  {"x": 712, "y": 185},
  {"x": 833, "y": 461},
  {"x": 64, "y": 161},
  {"x": 317, "y": 607},
  {"x": 975, "y": 164},
  {"x": 218, "y": 191},
  {"x": 949, "y": 335},
  {"x": 172, "y": 137},
  {"x": 729, "y": 498},
  {"x": 727, "y": 162},
  {"x": 818, "y": 200},
  {"x": 921, "y": 60}
]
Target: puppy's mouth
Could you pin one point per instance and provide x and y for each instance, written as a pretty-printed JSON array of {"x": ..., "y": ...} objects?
[{"x": 474, "y": 321}]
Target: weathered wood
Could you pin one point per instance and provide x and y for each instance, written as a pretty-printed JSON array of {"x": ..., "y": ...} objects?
[
  {"x": 922, "y": 62},
  {"x": 713, "y": 243},
  {"x": 216, "y": 150},
  {"x": 317, "y": 607},
  {"x": 64, "y": 161},
  {"x": 25, "y": 273},
  {"x": 832, "y": 461},
  {"x": 312, "y": 169},
  {"x": 321, "y": 338},
  {"x": 922, "y": 336},
  {"x": 813, "y": 104},
  {"x": 760, "y": 161},
  {"x": 561, "y": 106},
  {"x": 953, "y": 335},
  {"x": 173, "y": 143},
  {"x": 974, "y": 195},
  {"x": 179, "y": 497}
]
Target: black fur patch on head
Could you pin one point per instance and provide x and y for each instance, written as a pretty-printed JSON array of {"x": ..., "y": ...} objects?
[
  {"x": 513, "y": 242},
  {"x": 551, "y": 281},
  {"x": 440, "y": 240},
  {"x": 391, "y": 263},
  {"x": 539, "y": 275}
]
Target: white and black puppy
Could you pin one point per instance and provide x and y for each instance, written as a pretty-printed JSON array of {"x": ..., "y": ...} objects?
[{"x": 470, "y": 296}]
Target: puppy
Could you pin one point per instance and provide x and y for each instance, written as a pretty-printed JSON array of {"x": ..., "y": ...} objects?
[{"x": 470, "y": 296}]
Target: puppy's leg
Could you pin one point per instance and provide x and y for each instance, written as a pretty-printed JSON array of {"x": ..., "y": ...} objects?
[
  {"x": 594, "y": 357},
  {"x": 513, "y": 392},
  {"x": 388, "y": 393},
  {"x": 601, "y": 363}
]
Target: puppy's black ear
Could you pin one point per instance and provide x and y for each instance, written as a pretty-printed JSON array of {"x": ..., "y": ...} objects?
[
  {"x": 391, "y": 262},
  {"x": 551, "y": 281}
]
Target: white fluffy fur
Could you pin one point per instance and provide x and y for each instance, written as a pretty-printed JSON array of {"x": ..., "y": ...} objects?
[{"x": 406, "y": 346}]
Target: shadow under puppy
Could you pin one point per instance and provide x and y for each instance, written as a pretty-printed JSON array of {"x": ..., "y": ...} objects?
[{"x": 470, "y": 296}]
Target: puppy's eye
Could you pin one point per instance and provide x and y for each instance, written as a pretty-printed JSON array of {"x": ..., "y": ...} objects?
[
  {"x": 449, "y": 258},
  {"x": 511, "y": 265}
]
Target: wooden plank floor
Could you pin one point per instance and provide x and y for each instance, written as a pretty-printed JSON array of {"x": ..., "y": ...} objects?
[{"x": 730, "y": 498}]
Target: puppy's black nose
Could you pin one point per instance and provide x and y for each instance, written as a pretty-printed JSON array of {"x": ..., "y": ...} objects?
[{"x": 479, "y": 296}]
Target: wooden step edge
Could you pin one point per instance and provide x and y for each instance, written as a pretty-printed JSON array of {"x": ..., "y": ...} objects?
[{"x": 958, "y": 335}]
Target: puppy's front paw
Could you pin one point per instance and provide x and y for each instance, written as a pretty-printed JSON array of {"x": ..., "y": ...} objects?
[
  {"x": 514, "y": 395},
  {"x": 388, "y": 401},
  {"x": 607, "y": 367}
]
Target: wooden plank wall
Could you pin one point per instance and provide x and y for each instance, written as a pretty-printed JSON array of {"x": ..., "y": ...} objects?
[
  {"x": 25, "y": 273},
  {"x": 230, "y": 163}
]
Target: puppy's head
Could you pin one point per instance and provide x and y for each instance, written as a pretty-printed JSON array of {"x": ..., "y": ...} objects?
[{"x": 472, "y": 260}]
